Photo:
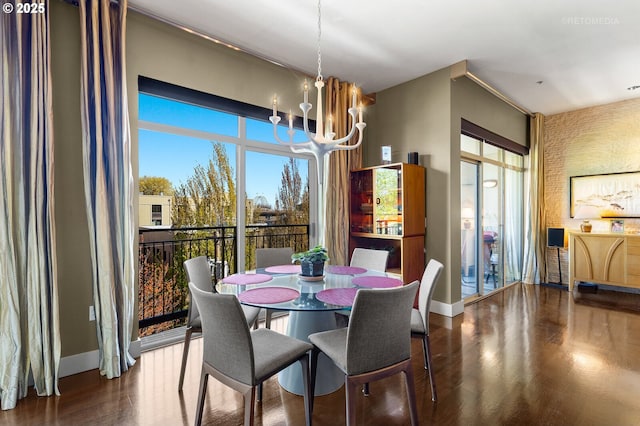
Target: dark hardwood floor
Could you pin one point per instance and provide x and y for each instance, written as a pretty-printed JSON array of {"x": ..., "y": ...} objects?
[{"x": 528, "y": 355}]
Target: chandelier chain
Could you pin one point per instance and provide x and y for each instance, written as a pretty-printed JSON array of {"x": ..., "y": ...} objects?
[{"x": 319, "y": 77}]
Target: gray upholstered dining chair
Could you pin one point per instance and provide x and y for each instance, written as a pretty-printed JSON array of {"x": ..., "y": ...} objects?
[
  {"x": 376, "y": 344},
  {"x": 266, "y": 257},
  {"x": 370, "y": 259},
  {"x": 240, "y": 358},
  {"x": 375, "y": 260},
  {"x": 420, "y": 316},
  {"x": 198, "y": 272}
]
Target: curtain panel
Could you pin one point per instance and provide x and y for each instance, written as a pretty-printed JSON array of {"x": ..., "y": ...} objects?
[
  {"x": 108, "y": 178},
  {"x": 29, "y": 322},
  {"x": 534, "y": 265},
  {"x": 338, "y": 95}
]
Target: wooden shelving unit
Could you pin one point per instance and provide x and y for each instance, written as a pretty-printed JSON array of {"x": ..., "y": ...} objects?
[{"x": 387, "y": 211}]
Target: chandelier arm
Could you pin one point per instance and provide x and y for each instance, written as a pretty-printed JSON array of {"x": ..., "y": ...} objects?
[{"x": 352, "y": 113}]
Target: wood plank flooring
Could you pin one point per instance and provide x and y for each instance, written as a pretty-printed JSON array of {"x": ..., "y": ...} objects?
[{"x": 528, "y": 355}]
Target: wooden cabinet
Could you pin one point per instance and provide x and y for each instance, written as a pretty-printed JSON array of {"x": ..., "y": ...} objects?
[
  {"x": 607, "y": 258},
  {"x": 387, "y": 211}
]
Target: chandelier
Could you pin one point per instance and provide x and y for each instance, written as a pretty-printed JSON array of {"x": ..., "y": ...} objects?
[{"x": 321, "y": 143}]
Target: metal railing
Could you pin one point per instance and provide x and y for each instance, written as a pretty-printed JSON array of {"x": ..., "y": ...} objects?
[{"x": 162, "y": 286}]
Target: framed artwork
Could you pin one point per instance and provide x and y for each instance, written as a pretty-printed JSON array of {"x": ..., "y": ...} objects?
[
  {"x": 605, "y": 196},
  {"x": 617, "y": 226}
]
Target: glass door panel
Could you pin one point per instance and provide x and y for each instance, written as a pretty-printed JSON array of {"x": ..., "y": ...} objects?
[
  {"x": 492, "y": 231},
  {"x": 387, "y": 209},
  {"x": 470, "y": 268}
]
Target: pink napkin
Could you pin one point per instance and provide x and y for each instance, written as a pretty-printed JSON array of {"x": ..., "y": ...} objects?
[
  {"x": 346, "y": 270},
  {"x": 337, "y": 296},
  {"x": 242, "y": 279},
  {"x": 283, "y": 269},
  {"x": 268, "y": 295},
  {"x": 376, "y": 282}
]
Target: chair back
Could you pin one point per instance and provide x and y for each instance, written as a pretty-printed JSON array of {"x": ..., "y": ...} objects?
[
  {"x": 427, "y": 284},
  {"x": 379, "y": 332},
  {"x": 227, "y": 344},
  {"x": 273, "y": 256},
  {"x": 198, "y": 272},
  {"x": 370, "y": 259}
]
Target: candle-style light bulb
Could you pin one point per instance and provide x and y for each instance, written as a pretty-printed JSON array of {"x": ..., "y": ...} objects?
[
  {"x": 353, "y": 98},
  {"x": 306, "y": 91},
  {"x": 360, "y": 114},
  {"x": 275, "y": 105},
  {"x": 290, "y": 120}
]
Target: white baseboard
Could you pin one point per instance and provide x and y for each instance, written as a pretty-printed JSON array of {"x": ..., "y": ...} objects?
[
  {"x": 86, "y": 361},
  {"x": 446, "y": 309}
]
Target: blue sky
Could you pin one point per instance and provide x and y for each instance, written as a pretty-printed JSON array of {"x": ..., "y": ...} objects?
[{"x": 174, "y": 157}]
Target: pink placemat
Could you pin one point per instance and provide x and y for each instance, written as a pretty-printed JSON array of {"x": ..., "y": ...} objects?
[
  {"x": 376, "y": 282},
  {"x": 242, "y": 279},
  {"x": 283, "y": 269},
  {"x": 346, "y": 270},
  {"x": 268, "y": 295},
  {"x": 337, "y": 296}
]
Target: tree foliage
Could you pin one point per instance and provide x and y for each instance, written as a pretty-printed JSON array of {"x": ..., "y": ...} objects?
[
  {"x": 293, "y": 199},
  {"x": 154, "y": 185},
  {"x": 208, "y": 198}
]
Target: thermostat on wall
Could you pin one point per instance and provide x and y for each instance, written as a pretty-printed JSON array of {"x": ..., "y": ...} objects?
[{"x": 386, "y": 154}]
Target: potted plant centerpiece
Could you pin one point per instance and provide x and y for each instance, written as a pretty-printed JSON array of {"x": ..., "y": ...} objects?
[{"x": 311, "y": 261}]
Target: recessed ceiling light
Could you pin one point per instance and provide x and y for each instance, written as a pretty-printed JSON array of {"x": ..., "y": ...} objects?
[{"x": 539, "y": 82}]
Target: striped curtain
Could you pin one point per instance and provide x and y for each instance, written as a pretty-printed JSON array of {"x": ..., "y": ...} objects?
[
  {"x": 337, "y": 179},
  {"x": 29, "y": 322},
  {"x": 535, "y": 265},
  {"x": 108, "y": 178}
]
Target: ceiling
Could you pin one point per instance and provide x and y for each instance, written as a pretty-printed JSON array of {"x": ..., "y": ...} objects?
[{"x": 547, "y": 56}]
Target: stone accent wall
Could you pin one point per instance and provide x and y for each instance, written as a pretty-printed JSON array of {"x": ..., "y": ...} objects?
[{"x": 596, "y": 140}]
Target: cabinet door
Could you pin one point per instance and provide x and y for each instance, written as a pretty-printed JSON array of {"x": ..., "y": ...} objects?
[
  {"x": 599, "y": 259},
  {"x": 388, "y": 201},
  {"x": 633, "y": 261}
]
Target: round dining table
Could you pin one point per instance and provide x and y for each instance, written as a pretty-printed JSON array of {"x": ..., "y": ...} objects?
[{"x": 311, "y": 302}]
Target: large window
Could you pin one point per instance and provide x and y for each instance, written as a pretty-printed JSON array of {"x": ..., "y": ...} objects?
[
  {"x": 223, "y": 167},
  {"x": 491, "y": 212}
]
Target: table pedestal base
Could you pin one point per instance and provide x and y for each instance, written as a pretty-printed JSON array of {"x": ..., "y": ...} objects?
[{"x": 329, "y": 378}]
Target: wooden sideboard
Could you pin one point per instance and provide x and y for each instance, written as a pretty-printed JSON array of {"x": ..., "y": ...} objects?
[{"x": 605, "y": 258}]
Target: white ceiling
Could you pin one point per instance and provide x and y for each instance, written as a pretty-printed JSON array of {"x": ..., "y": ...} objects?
[{"x": 585, "y": 52}]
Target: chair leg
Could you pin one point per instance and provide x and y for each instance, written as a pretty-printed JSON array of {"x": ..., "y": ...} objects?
[
  {"x": 425, "y": 351},
  {"x": 313, "y": 358},
  {"x": 260, "y": 392},
  {"x": 204, "y": 378},
  {"x": 411, "y": 393},
  {"x": 249, "y": 402},
  {"x": 304, "y": 364},
  {"x": 365, "y": 389},
  {"x": 267, "y": 318},
  {"x": 350, "y": 393},
  {"x": 432, "y": 376},
  {"x": 185, "y": 355}
]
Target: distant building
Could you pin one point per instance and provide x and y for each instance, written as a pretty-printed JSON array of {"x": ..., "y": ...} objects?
[{"x": 154, "y": 210}]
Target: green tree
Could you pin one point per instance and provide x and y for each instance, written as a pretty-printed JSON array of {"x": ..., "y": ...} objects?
[
  {"x": 208, "y": 198},
  {"x": 155, "y": 185},
  {"x": 292, "y": 198}
]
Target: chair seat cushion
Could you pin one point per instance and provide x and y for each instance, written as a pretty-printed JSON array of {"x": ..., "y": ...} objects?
[
  {"x": 334, "y": 344},
  {"x": 272, "y": 350},
  {"x": 417, "y": 325}
]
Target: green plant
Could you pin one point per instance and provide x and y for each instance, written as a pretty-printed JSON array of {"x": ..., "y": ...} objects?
[{"x": 316, "y": 254}]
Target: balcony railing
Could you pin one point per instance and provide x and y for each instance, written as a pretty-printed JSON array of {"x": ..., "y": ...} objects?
[{"x": 162, "y": 286}]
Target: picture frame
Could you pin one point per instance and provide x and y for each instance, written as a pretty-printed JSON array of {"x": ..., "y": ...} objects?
[
  {"x": 617, "y": 226},
  {"x": 611, "y": 195}
]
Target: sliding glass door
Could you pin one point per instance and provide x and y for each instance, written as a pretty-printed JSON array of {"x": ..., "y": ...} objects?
[{"x": 491, "y": 180}]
